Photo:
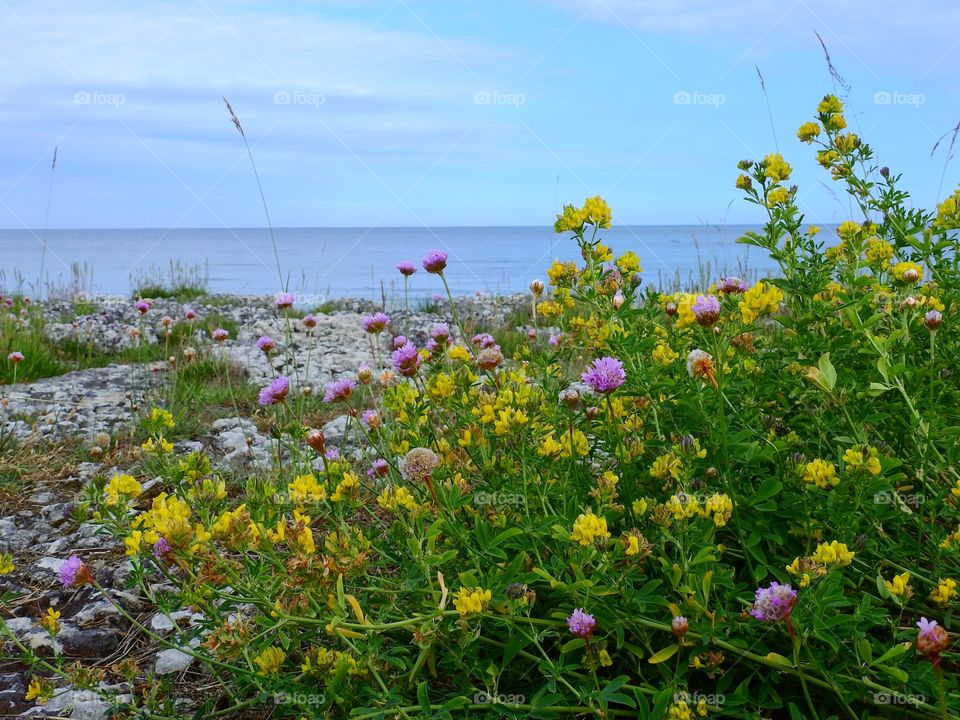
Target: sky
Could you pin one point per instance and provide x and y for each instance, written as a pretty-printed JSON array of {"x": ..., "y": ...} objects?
[{"x": 435, "y": 113}]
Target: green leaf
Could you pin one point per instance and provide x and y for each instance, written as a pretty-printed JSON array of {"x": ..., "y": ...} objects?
[
  {"x": 769, "y": 489},
  {"x": 668, "y": 652}
]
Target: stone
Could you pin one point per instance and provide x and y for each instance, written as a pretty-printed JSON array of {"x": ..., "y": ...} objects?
[{"x": 172, "y": 660}]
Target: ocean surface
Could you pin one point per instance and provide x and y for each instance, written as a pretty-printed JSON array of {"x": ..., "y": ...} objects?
[{"x": 321, "y": 263}]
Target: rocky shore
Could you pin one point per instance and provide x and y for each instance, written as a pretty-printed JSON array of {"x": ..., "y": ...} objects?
[{"x": 39, "y": 527}]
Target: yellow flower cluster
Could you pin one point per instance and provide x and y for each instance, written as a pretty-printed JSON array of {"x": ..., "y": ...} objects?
[
  {"x": 397, "y": 497},
  {"x": 167, "y": 518},
  {"x": 321, "y": 659},
  {"x": 6, "y": 563},
  {"x": 682, "y": 711},
  {"x": 945, "y": 591},
  {"x": 595, "y": 211},
  {"x": 588, "y": 529},
  {"x": 161, "y": 417},
  {"x": 878, "y": 251},
  {"x": 664, "y": 354},
  {"x": 347, "y": 489},
  {"x": 808, "y": 131},
  {"x": 50, "y": 621},
  {"x": 471, "y": 601},
  {"x": 760, "y": 299},
  {"x": 157, "y": 446},
  {"x": 666, "y": 466},
  {"x": 866, "y": 458},
  {"x": 776, "y": 168},
  {"x": 306, "y": 489},
  {"x": 833, "y": 554},
  {"x": 821, "y": 473},
  {"x": 122, "y": 488},
  {"x": 907, "y": 272},
  {"x": 269, "y": 661},
  {"x": 948, "y": 212},
  {"x": 899, "y": 586}
]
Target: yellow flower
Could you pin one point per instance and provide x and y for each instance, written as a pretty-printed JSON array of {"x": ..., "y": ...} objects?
[
  {"x": 347, "y": 489},
  {"x": 304, "y": 489},
  {"x": 743, "y": 182},
  {"x": 597, "y": 211},
  {"x": 680, "y": 711},
  {"x": 900, "y": 585},
  {"x": 664, "y": 354},
  {"x": 777, "y": 196},
  {"x": 122, "y": 486},
  {"x": 808, "y": 131},
  {"x": 848, "y": 229},
  {"x": 40, "y": 689},
  {"x": 776, "y": 168},
  {"x": 270, "y": 660},
  {"x": 945, "y": 591},
  {"x": 571, "y": 219},
  {"x": 640, "y": 507},
  {"x": 605, "y": 659},
  {"x": 833, "y": 554},
  {"x": 948, "y": 212},
  {"x": 878, "y": 250},
  {"x": 720, "y": 506},
  {"x": 667, "y": 465},
  {"x": 588, "y": 528},
  {"x": 821, "y": 473},
  {"x": 629, "y": 263},
  {"x": 133, "y": 541},
  {"x": 459, "y": 352},
  {"x": 162, "y": 417},
  {"x": 441, "y": 386},
  {"x": 830, "y": 104},
  {"x": 397, "y": 497},
  {"x": 761, "y": 298},
  {"x": 51, "y": 621},
  {"x": 158, "y": 446},
  {"x": 682, "y": 506},
  {"x": 6, "y": 563},
  {"x": 471, "y": 601}
]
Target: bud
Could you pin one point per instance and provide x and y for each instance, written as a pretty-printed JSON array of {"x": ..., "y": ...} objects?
[
  {"x": 172, "y": 360},
  {"x": 570, "y": 397},
  {"x": 711, "y": 472},
  {"x": 592, "y": 412},
  {"x": 166, "y": 321},
  {"x": 316, "y": 440},
  {"x": 96, "y": 451},
  {"x": 911, "y": 275},
  {"x": 308, "y": 390},
  {"x": 933, "y": 320},
  {"x": 189, "y": 353},
  {"x": 532, "y": 334},
  {"x": 885, "y": 171},
  {"x": 679, "y": 627},
  {"x": 618, "y": 300},
  {"x": 536, "y": 287},
  {"x": 687, "y": 443},
  {"x": 489, "y": 357},
  {"x": 364, "y": 374},
  {"x": 910, "y": 301},
  {"x": 671, "y": 309}
]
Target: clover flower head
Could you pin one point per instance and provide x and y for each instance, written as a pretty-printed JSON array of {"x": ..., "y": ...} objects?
[
  {"x": 435, "y": 261},
  {"x": 275, "y": 392},
  {"x": 220, "y": 334},
  {"x": 581, "y": 624},
  {"x": 339, "y": 390},
  {"x": 732, "y": 284},
  {"x": 604, "y": 375},
  {"x": 484, "y": 340},
  {"x": 285, "y": 300},
  {"x": 406, "y": 359},
  {"x": 932, "y": 639},
  {"x": 142, "y": 306},
  {"x": 774, "y": 603},
  {"x": 309, "y": 321},
  {"x": 418, "y": 464},
  {"x": 16, "y": 357},
  {"x": 74, "y": 571},
  {"x": 706, "y": 309}
]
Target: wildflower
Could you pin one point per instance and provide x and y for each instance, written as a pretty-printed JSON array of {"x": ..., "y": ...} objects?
[
  {"x": 51, "y": 621},
  {"x": 571, "y": 219},
  {"x": 900, "y": 585},
  {"x": 371, "y": 418},
  {"x": 536, "y": 288},
  {"x": 190, "y": 314},
  {"x": 588, "y": 529},
  {"x": 761, "y": 298},
  {"x": 808, "y": 131},
  {"x": 270, "y": 660},
  {"x": 948, "y": 212},
  {"x": 339, "y": 390},
  {"x": 597, "y": 211},
  {"x": 6, "y": 563},
  {"x": 700, "y": 365},
  {"x": 679, "y": 626},
  {"x": 142, "y": 306},
  {"x": 309, "y": 321},
  {"x": 907, "y": 272},
  {"x": 581, "y": 624},
  {"x": 304, "y": 489},
  {"x": 15, "y": 357},
  {"x": 379, "y": 468},
  {"x": 471, "y": 601},
  {"x": 774, "y": 603},
  {"x": 489, "y": 357},
  {"x": 833, "y": 554},
  {"x": 933, "y": 319},
  {"x": 265, "y": 343},
  {"x": 406, "y": 359},
  {"x": 776, "y": 168},
  {"x": 604, "y": 375},
  {"x": 285, "y": 300},
  {"x": 40, "y": 689},
  {"x": 347, "y": 488},
  {"x": 878, "y": 250},
  {"x": 435, "y": 261},
  {"x": 483, "y": 340},
  {"x": 821, "y": 473},
  {"x": 397, "y": 497},
  {"x": 159, "y": 416},
  {"x": 945, "y": 591},
  {"x": 275, "y": 392},
  {"x": 418, "y": 464},
  {"x": 121, "y": 488},
  {"x": 376, "y": 323},
  {"x": 219, "y": 335},
  {"x": 932, "y": 639},
  {"x": 706, "y": 309},
  {"x": 406, "y": 268},
  {"x": 74, "y": 572},
  {"x": 664, "y": 354},
  {"x": 720, "y": 506}
]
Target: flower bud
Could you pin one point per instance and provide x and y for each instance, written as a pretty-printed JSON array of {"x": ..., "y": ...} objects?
[
  {"x": 316, "y": 440},
  {"x": 618, "y": 300},
  {"x": 933, "y": 320},
  {"x": 536, "y": 287},
  {"x": 679, "y": 626}
]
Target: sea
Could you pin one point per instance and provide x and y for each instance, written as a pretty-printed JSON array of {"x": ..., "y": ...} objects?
[{"x": 318, "y": 264}]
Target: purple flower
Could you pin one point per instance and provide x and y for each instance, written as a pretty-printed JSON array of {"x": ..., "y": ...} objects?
[
  {"x": 440, "y": 332},
  {"x": 161, "y": 548},
  {"x": 275, "y": 392},
  {"x": 554, "y": 340},
  {"x": 932, "y": 639},
  {"x": 15, "y": 357},
  {"x": 706, "y": 309},
  {"x": 74, "y": 571},
  {"x": 774, "y": 603},
  {"x": 605, "y": 375},
  {"x": 310, "y": 321},
  {"x": 376, "y": 323},
  {"x": 142, "y": 306},
  {"x": 406, "y": 360},
  {"x": 265, "y": 343},
  {"x": 399, "y": 341},
  {"x": 220, "y": 334},
  {"x": 581, "y": 624},
  {"x": 732, "y": 284},
  {"x": 370, "y": 418},
  {"x": 340, "y": 390},
  {"x": 406, "y": 268},
  {"x": 435, "y": 261},
  {"x": 380, "y": 468},
  {"x": 484, "y": 340},
  {"x": 190, "y": 314},
  {"x": 332, "y": 454},
  {"x": 432, "y": 346},
  {"x": 285, "y": 300}
]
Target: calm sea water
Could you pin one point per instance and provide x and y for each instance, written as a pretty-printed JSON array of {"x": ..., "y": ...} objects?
[{"x": 331, "y": 262}]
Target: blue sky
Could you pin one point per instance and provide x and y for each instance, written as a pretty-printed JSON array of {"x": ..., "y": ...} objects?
[{"x": 414, "y": 112}]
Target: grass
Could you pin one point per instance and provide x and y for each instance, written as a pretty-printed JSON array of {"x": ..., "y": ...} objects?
[{"x": 180, "y": 281}]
